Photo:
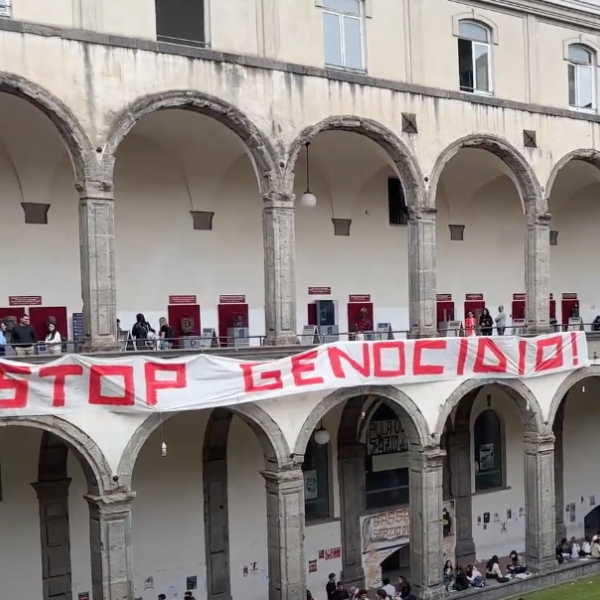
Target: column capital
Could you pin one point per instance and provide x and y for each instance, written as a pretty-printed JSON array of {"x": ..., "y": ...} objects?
[
  {"x": 103, "y": 190},
  {"x": 539, "y": 219},
  {"x": 422, "y": 213},
  {"x": 429, "y": 459},
  {"x": 51, "y": 489},
  {"x": 278, "y": 199},
  {"x": 117, "y": 505},
  {"x": 538, "y": 443},
  {"x": 284, "y": 477}
]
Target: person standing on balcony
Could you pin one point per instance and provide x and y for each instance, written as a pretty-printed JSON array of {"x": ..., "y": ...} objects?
[
  {"x": 53, "y": 340},
  {"x": 24, "y": 337},
  {"x": 470, "y": 325},
  {"x": 501, "y": 320},
  {"x": 486, "y": 323},
  {"x": 2, "y": 339}
]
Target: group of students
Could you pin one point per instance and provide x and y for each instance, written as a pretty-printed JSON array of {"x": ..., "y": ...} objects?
[
  {"x": 337, "y": 591},
  {"x": 589, "y": 548},
  {"x": 470, "y": 576}
]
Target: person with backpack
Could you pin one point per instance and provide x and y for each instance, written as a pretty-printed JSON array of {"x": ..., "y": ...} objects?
[
  {"x": 166, "y": 334},
  {"x": 141, "y": 332}
]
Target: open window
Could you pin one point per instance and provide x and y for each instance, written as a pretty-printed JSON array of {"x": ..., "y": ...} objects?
[
  {"x": 474, "y": 57},
  {"x": 582, "y": 77}
]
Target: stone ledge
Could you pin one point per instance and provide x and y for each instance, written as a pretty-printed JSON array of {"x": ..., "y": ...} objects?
[
  {"x": 519, "y": 587},
  {"x": 91, "y": 37}
]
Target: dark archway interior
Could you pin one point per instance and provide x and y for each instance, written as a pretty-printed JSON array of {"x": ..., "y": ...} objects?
[
  {"x": 592, "y": 522},
  {"x": 397, "y": 564}
]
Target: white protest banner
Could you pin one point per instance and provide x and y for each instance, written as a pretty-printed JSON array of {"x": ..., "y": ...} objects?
[{"x": 138, "y": 383}]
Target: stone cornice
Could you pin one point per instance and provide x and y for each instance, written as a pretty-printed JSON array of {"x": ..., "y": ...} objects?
[
  {"x": 574, "y": 15},
  {"x": 254, "y": 62}
]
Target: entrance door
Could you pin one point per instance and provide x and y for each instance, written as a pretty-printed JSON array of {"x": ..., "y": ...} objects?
[
  {"x": 231, "y": 315},
  {"x": 39, "y": 315},
  {"x": 474, "y": 306},
  {"x": 567, "y": 310},
  {"x": 312, "y": 314},
  {"x": 518, "y": 309},
  {"x": 177, "y": 312},
  {"x": 354, "y": 315},
  {"x": 445, "y": 312}
]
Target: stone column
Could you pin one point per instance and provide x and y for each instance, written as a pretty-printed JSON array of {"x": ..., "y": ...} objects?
[
  {"x": 55, "y": 533},
  {"x": 351, "y": 474},
  {"x": 285, "y": 526},
  {"x": 540, "y": 517},
  {"x": 426, "y": 530},
  {"x": 559, "y": 478},
  {"x": 421, "y": 272},
  {"x": 537, "y": 273},
  {"x": 279, "y": 239},
  {"x": 98, "y": 277},
  {"x": 110, "y": 543},
  {"x": 459, "y": 445}
]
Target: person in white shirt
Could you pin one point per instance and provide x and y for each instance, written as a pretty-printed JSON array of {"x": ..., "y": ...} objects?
[
  {"x": 492, "y": 569},
  {"x": 53, "y": 340},
  {"x": 575, "y": 548},
  {"x": 586, "y": 547},
  {"x": 500, "y": 321},
  {"x": 389, "y": 589}
]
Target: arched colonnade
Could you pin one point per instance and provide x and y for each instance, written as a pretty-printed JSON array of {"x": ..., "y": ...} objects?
[
  {"x": 274, "y": 163},
  {"x": 440, "y": 467}
]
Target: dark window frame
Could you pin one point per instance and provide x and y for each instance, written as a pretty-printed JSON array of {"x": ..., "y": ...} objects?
[
  {"x": 488, "y": 430},
  {"x": 317, "y": 457},
  {"x": 169, "y": 30}
]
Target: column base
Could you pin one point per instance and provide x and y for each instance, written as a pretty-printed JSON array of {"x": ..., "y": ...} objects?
[
  {"x": 433, "y": 593},
  {"x": 284, "y": 338},
  {"x": 353, "y": 576},
  {"x": 104, "y": 344},
  {"x": 465, "y": 552},
  {"x": 561, "y": 530},
  {"x": 546, "y": 566},
  {"x": 417, "y": 334},
  {"x": 534, "y": 329}
]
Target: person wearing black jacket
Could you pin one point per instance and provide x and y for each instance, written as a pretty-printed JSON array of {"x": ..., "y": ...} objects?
[
  {"x": 24, "y": 338},
  {"x": 331, "y": 586},
  {"x": 486, "y": 323}
]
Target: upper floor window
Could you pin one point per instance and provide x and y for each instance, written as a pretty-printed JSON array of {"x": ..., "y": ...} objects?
[
  {"x": 582, "y": 80},
  {"x": 316, "y": 481},
  {"x": 474, "y": 57},
  {"x": 343, "y": 33},
  {"x": 488, "y": 448},
  {"x": 181, "y": 22}
]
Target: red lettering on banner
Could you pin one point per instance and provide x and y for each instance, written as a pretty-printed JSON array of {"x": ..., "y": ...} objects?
[
  {"x": 418, "y": 367},
  {"x": 463, "y": 351},
  {"x": 555, "y": 360},
  {"x": 19, "y": 386},
  {"x": 378, "y": 370},
  {"x": 274, "y": 377},
  {"x": 305, "y": 363},
  {"x": 522, "y": 356},
  {"x": 485, "y": 344},
  {"x": 60, "y": 374},
  {"x": 153, "y": 385},
  {"x": 98, "y": 372},
  {"x": 337, "y": 354}
]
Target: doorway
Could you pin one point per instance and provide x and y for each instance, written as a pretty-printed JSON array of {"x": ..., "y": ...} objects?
[
  {"x": 397, "y": 564},
  {"x": 592, "y": 522}
]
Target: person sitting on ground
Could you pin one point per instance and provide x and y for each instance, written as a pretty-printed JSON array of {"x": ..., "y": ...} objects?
[
  {"x": 565, "y": 549},
  {"x": 448, "y": 574},
  {"x": 586, "y": 547},
  {"x": 517, "y": 565},
  {"x": 390, "y": 590},
  {"x": 575, "y": 548},
  {"x": 354, "y": 593},
  {"x": 475, "y": 577},
  {"x": 596, "y": 536},
  {"x": 559, "y": 555},
  {"x": 382, "y": 594},
  {"x": 492, "y": 569},
  {"x": 403, "y": 587},
  {"x": 309, "y": 595},
  {"x": 595, "y": 550},
  {"x": 461, "y": 583},
  {"x": 363, "y": 595}
]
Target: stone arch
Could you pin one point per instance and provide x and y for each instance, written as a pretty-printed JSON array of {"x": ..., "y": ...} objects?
[
  {"x": 405, "y": 164},
  {"x": 262, "y": 154},
  {"x": 528, "y": 406},
  {"x": 416, "y": 425},
  {"x": 273, "y": 443},
  {"x": 78, "y": 144},
  {"x": 519, "y": 168},
  {"x": 572, "y": 380},
  {"x": 587, "y": 155},
  {"x": 97, "y": 471}
]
